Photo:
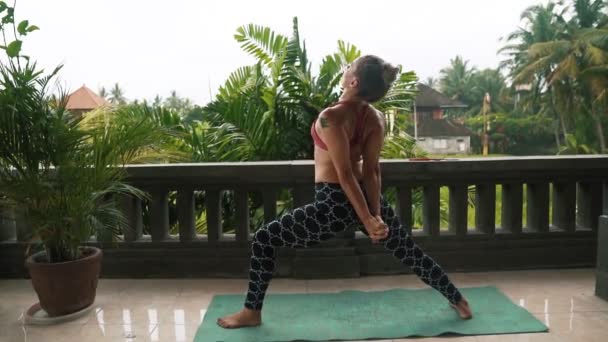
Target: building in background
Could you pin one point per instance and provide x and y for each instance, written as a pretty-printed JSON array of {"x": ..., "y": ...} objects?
[
  {"x": 436, "y": 133},
  {"x": 84, "y": 100}
]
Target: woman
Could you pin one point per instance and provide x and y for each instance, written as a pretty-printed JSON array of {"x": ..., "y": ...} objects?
[{"x": 348, "y": 138}]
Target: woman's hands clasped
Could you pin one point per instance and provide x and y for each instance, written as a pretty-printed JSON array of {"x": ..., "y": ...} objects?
[{"x": 376, "y": 228}]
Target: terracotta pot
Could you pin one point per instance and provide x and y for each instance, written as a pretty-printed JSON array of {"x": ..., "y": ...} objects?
[{"x": 66, "y": 287}]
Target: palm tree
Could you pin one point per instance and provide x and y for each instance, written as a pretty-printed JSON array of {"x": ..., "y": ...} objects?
[
  {"x": 492, "y": 82},
  {"x": 103, "y": 92},
  {"x": 575, "y": 61},
  {"x": 117, "y": 96},
  {"x": 177, "y": 103},
  {"x": 158, "y": 101},
  {"x": 455, "y": 80},
  {"x": 589, "y": 13},
  {"x": 539, "y": 24}
]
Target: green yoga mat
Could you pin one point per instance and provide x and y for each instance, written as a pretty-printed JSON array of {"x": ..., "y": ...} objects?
[{"x": 356, "y": 315}]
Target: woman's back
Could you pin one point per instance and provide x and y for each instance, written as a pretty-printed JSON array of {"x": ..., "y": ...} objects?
[{"x": 358, "y": 120}]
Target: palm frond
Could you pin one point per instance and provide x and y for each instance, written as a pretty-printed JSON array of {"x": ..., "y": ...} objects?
[
  {"x": 238, "y": 82},
  {"x": 261, "y": 42}
]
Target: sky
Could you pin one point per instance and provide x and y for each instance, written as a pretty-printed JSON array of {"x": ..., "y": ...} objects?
[{"x": 152, "y": 47}]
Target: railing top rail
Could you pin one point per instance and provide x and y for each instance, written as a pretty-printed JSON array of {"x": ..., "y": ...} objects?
[{"x": 472, "y": 170}]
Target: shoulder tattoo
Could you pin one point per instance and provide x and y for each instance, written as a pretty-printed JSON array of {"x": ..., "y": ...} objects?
[{"x": 324, "y": 122}]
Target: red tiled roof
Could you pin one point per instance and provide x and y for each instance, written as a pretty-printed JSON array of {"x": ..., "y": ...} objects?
[{"x": 85, "y": 99}]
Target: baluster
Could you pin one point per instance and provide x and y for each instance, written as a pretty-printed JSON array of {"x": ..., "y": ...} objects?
[
  {"x": 564, "y": 206},
  {"x": 404, "y": 206},
  {"x": 242, "y": 215},
  {"x": 512, "y": 207},
  {"x": 159, "y": 215},
  {"x": 7, "y": 224},
  {"x": 538, "y": 207},
  {"x": 185, "y": 214},
  {"x": 270, "y": 204},
  {"x": 485, "y": 208},
  {"x": 589, "y": 204},
  {"x": 213, "y": 200},
  {"x": 430, "y": 210},
  {"x": 458, "y": 209},
  {"x": 107, "y": 235},
  {"x": 131, "y": 208},
  {"x": 22, "y": 226}
]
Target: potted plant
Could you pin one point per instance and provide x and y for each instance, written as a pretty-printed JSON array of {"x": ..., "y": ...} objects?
[{"x": 62, "y": 172}]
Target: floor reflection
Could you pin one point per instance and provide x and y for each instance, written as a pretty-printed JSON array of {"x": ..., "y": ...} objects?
[{"x": 126, "y": 312}]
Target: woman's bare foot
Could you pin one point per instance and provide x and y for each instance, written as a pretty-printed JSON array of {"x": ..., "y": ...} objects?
[
  {"x": 243, "y": 318},
  {"x": 463, "y": 309}
]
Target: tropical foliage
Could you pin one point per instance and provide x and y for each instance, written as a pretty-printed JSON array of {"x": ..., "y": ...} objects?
[
  {"x": 60, "y": 171},
  {"x": 562, "y": 53},
  {"x": 512, "y": 135},
  {"x": 555, "y": 68},
  {"x": 465, "y": 83},
  {"x": 264, "y": 111}
]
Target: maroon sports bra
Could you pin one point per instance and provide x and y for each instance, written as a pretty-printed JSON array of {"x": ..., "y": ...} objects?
[{"x": 361, "y": 110}]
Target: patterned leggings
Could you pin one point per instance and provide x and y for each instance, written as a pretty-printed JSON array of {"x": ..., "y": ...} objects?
[{"x": 331, "y": 213}]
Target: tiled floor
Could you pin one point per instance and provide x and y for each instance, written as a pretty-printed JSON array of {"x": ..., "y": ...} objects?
[{"x": 171, "y": 309}]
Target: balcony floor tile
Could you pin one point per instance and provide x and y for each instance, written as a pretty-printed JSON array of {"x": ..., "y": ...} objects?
[{"x": 171, "y": 309}]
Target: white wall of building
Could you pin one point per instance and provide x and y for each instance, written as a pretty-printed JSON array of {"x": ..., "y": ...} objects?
[{"x": 445, "y": 145}]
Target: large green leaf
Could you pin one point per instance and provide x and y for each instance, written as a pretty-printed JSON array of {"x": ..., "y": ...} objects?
[
  {"x": 14, "y": 48},
  {"x": 22, "y": 27}
]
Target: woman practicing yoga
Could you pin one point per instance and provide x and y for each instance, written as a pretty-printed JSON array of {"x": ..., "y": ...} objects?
[{"x": 348, "y": 137}]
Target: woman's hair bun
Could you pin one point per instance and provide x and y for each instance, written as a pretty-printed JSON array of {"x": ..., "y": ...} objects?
[{"x": 390, "y": 72}]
